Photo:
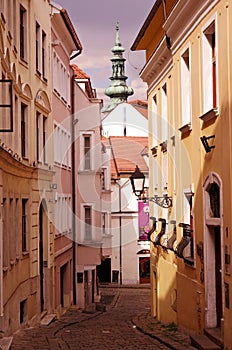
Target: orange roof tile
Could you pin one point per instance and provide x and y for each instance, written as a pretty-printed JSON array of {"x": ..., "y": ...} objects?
[
  {"x": 127, "y": 152},
  {"x": 80, "y": 75},
  {"x": 140, "y": 106}
]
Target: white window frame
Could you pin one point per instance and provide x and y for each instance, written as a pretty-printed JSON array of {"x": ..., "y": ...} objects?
[
  {"x": 164, "y": 112},
  {"x": 106, "y": 179},
  {"x": 61, "y": 145},
  {"x": 154, "y": 119},
  {"x": 26, "y": 109},
  {"x": 61, "y": 79},
  {"x": 164, "y": 171},
  {"x": 207, "y": 63},
  {"x": 82, "y": 155},
  {"x": 187, "y": 196},
  {"x": 83, "y": 223},
  {"x": 185, "y": 74},
  {"x": 63, "y": 213},
  {"x": 25, "y": 33}
]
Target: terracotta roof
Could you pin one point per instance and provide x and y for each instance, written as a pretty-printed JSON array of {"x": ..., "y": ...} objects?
[
  {"x": 140, "y": 106},
  {"x": 80, "y": 75},
  {"x": 141, "y": 103},
  {"x": 127, "y": 152}
]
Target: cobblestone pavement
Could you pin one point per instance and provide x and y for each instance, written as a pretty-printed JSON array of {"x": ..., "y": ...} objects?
[{"x": 120, "y": 327}]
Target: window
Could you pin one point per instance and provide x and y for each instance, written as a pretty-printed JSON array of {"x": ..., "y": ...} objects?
[
  {"x": 37, "y": 135},
  {"x": 185, "y": 89},
  {"x": 24, "y": 225},
  {"x": 209, "y": 74},
  {"x": 164, "y": 128},
  {"x": 37, "y": 43},
  {"x": 41, "y": 137},
  {"x": 9, "y": 17},
  {"x": 12, "y": 230},
  {"x": 15, "y": 23},
  {"x": 87, "y": 159},
  {"x": 2, "y": 6},
  {"x": 5, "y": 235},
  {"x": 154, "y": 119},
  {"x": 88, "y": 222},
  {"x": 164, "y": 171},
  {"x": 23, "y": 129},
  {"x": 44, "y": 139},
  {"x": 63, "y": 213},
  {"x": 214, "y": 195},
  {"x": 40, "y": 51},
  {"x": 61, "y": 79},
  {"x": 17, "y": 234},
  {"x": 23, "y": 36},
  {"x": 43, "y": 53},
  {"x": 105, "y": 179},
  {"x": 16, "y": 106},
  {"x": 23, "y": 311},
  {"x": 104, "y": 223},
  {"x": 62, "y": 146},
  {"x": 188, "y": 219}
]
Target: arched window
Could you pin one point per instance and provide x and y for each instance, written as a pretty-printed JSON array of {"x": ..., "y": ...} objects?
[{"x": 214, "y": 194}]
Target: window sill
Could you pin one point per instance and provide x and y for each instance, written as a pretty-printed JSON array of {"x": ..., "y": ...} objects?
[
  {"x": 3, "y": 18},
  {"x": 189, "y": 261},
  {"x": 106, "y": 191},
  {"x": 154, "y": 151},
  {"x": 38, "y": 73},
  {"x": 163, "y": 146},
  {"x": 24, "y": 62},
  {"x": 210, "y": 115},
  {"x": 25, "y": 254},
  {"x": 186, "y": 129},
  {"x": 86, "y": 172}
]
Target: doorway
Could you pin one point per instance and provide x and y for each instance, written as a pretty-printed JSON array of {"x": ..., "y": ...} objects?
[
  {"x": 213, "y": 243},
  {"x": 63, "y": 283},
  {"x": 218, "y": 274},
  {"x": 41, "y": 259},
  {"x": 144, "y": 270},
  {"x": 43, "y": 251},
  {"x": 104, "y": 271}
]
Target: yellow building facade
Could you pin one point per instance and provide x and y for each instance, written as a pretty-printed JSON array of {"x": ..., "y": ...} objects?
[
  {"x": 26, "y": 229},
  {"x": 188, "y": 71}
]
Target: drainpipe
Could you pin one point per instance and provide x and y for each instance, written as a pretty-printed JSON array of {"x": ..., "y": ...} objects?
[{"x": 73, "y": 166}]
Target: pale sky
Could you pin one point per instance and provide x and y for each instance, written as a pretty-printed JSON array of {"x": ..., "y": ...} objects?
[{"x": 94, "y": 21}]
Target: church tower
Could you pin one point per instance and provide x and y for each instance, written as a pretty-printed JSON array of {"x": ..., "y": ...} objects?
[{"x": 118, "y": 91}]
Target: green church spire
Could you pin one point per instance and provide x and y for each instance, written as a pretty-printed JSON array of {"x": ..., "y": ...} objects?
[{"x": 118, "y": 91}]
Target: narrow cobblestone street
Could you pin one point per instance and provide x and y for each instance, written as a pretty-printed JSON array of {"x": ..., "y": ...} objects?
[{"x": 108, "y": 330}]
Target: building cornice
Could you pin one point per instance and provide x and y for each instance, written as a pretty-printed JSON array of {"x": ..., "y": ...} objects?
[
  {"x": 158, "y": 64},
  {"x": 184, "y": 18}
]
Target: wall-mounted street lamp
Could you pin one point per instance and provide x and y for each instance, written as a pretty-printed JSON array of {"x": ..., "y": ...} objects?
[{"x": 137, "y": 182}]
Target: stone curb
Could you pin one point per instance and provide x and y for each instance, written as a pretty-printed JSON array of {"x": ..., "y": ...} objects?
[{"x": 159, "y": 335}]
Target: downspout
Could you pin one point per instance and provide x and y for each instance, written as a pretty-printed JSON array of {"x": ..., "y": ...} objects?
[{"x": 73, "y": 166}]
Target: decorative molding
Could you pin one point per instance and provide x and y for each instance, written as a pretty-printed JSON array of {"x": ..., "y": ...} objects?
[
  {"x": 158, "y": 64},
  {"x": 184, "y": 18}
]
